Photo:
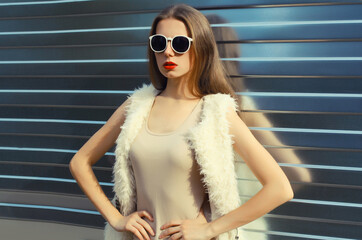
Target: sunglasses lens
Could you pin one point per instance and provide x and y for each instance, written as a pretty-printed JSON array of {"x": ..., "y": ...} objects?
[
  {"x": 158, "y": 43},
  {"x": 180, "y": 44}
]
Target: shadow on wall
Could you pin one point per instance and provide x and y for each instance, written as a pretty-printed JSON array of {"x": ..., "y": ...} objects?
[{"x": 296, "y": 175}]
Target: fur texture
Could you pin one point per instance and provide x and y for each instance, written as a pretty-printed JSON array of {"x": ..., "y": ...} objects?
[{"x": 212, "y": 143}]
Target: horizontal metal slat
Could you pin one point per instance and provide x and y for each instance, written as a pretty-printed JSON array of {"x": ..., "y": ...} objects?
[
  {"x": 294, "y": 102},
  {"x": 115, "y": 38},
  {"x": 20, "y": 114},
  {"x": 284, "y": 156},
  {"x": 86, "y": 121},
  {"x": 67, "y": 188},
  {"x": 67, "y": 99},
  {"x": 271, "y": 66},
  {"x": 52, "y": 143},
  {"x": 60, "y": 173},
  {"x": 291, "y": 228},
  {"x": 323, "y": 212},
  {"x": 49, "y": 215},
  {"x": 47, "y": 157},
  {"x": 46, "y": 199},
  {"x": 256, "y": 83},
  {"x": 289, "y": 137},
  {"x": 333, "y": 195},
  {"x": 39, "y": 229},
  {"x": 117, "y": 68},
  {"x": 334, "y": 177},
  {"x": 251, "y": 52},
  {"x": 109, "y": 6},
  {"x": 309, "y": 84}
]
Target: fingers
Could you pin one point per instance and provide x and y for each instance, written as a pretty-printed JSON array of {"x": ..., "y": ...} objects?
[
  {"x": 171, "y": 232},
  {"x": 147, "y": 226},
  {"x": 142, "y": 225},
  {"x": 141, "y": 229},
  {"x": 146, "y": 214},
  {"x": 177, "y": 236},
  {"x": 136, "y": 231}
]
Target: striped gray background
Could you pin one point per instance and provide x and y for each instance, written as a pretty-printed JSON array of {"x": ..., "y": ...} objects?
[{"x": 65, "y": 66}]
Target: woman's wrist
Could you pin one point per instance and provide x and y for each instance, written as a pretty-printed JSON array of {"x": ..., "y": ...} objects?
[
  {"x": 210, "y": 231},
  {"x": 115, "y": 219}
]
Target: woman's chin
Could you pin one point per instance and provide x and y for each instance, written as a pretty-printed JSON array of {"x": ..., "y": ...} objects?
[{"x": 173, "y": 75}]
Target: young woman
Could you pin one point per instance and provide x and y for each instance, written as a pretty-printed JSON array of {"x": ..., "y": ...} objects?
[{"x": 177, "y": 139}]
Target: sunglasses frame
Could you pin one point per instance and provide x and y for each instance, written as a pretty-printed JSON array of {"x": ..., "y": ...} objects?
[{"x": 171, "y": 39}]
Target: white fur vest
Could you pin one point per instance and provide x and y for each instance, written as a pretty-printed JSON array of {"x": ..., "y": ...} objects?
[{"x": 212, "y": 143}]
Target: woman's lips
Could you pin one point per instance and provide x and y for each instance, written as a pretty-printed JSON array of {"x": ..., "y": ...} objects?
[{"x": 169, "y": 65}]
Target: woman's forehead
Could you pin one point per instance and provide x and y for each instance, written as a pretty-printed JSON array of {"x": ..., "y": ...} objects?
[{"x": 171, "y": 27}]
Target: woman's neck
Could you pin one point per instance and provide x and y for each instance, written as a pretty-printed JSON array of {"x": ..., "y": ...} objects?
[{"x": 177, "y": 90}]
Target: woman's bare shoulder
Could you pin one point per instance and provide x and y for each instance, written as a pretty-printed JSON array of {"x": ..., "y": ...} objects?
[
  {"x": 104, "y": 138},
  {"x": 119, "y": 115}
]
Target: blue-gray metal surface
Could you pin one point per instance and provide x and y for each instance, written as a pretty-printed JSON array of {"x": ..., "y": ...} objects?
[{"x": 65, "y": 66}]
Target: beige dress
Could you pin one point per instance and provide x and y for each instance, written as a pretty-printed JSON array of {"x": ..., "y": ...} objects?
[{"x": 168, "y": 181}]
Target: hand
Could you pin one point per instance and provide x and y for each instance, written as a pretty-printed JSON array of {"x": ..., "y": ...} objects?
[
  {"x": 189, "y": 229},
  {"x": 135, "y": 224}
]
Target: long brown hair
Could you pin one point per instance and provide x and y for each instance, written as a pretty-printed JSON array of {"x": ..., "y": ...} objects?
[{"x": 208, "y": 75}]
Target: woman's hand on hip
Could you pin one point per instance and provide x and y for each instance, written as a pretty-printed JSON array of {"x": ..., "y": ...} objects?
[
  {"x": 189, "y": 229},
  {"x": 135, "y": 224}
]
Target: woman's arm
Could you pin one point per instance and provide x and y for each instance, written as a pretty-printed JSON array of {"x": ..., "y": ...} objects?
[
  {"x": 276, "y": 186},
  {"x": 295, "y": 174},
  {"x": 81, "y": 164}
]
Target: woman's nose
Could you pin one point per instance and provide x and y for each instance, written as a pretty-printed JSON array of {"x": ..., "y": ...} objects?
[{"x": 169, "y": 50}]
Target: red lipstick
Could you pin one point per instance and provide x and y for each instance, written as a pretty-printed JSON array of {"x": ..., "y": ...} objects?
[{"x": 169, "y": 65}]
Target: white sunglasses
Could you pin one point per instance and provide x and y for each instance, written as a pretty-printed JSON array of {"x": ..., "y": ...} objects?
[{"x": 180, "y": 44}]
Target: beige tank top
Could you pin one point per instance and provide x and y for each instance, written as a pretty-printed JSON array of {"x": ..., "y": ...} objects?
[{"x": 168, "y": 180}]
